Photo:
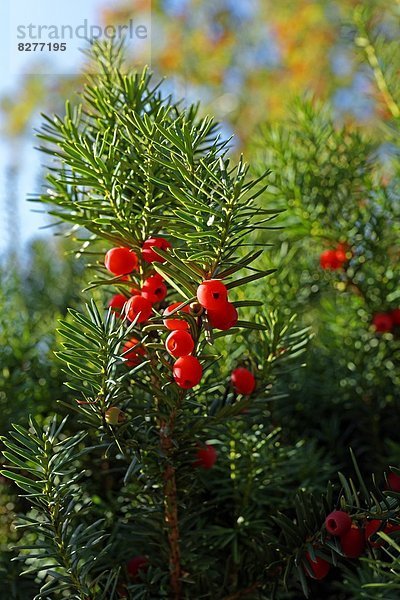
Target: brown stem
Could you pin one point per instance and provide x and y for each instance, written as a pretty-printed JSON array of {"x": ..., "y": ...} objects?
[{"x": 171, "y": 509}]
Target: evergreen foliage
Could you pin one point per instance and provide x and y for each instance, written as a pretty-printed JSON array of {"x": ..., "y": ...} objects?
[{"x": 129, "y": 164}]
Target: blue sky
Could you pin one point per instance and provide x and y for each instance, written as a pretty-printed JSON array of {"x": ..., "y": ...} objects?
[
  {"x": 13, "y": 65},
  {"x": 15, "y": 18}
]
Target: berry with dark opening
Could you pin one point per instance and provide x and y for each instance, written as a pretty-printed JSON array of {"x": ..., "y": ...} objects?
[
  {"x": 243, "y": 381},
  {"x": 212, "y": 294},
  {"x": 393, "y": 482},
  {"x": 138, "y": 307},
  {"x": 175, "y": 323},
  {"x": 382, "y": 322},
  {"x": 136, "y": 565},
  {"x": 120, "y": 261},
  {"x": 114, "y": 416},
  {"x": 117, "y": 303},
  {"x": 187, "y": 372},
  {"x": 337, "y": 522},
  {"x": 154, "y": 290},
  {"x": 353, "y": 542},
  {"x": 224, "y": 318},
  {"x": 206, "y": 457},
  {"x": 329, "y": 259},
  {"x": 149, "y": 255},
  {"x": 133, "y": 352},
  {"x": 179, "y": 343},
  {"x": 319, "y": 567}
]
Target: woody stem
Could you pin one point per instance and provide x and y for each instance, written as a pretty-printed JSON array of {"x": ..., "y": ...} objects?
[{"x": 171, "y": 509}]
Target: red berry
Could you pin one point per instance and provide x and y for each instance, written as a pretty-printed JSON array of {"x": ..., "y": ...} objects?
[
  {"x": 154, "y": 290},
  {"x": 353, "y": 542},
  {"x": 175, "y": 323},
  {"x": 337, "y": 522},
  {"x": 390, "y": 528},
  {"x": 224, "y": 317},
  {"x": 212, "y": 294},
  {"x": 319, "y": 568},
  {"x": 120, "y": 261},
  {"x": 206, "y": 457},
  {"x": 243, "y": 381},
  {"x": 150, "y": 255},
  {"x": 137, "y": 306},
  {"x": 341, "y": 252},
  {"x": 187, "y": 372},
  {"x": 133, "y": 354},
  {"x": 382, "y": 322},
  {"x": 395, "y": 314},
  {"x": 117, "y": 302},
  {"x": 372, "y": 526},
  {"x": 179, "y": 343},
  {"x": 137, "y": 564},
  {"x": 330, "y": 260},
  {"x": 393, "y": 482}
]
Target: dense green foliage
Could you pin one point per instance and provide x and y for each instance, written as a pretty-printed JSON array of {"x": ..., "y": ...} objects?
[
  {"x": 33, "y": 297},
  {"x": 131, "y": 163},
  {"x": 331, "y": 182}
]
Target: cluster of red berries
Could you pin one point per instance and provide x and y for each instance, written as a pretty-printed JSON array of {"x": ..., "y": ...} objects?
[
  {"x": 353, "y": 538},
  {"x": 123, "y": 261},
  {"x": 352, "y": 541},
  {"x": 140, "y": 303},
  {"x": 334, "y": 259},
  {"x": 213, "y": 297},
  {"x": 187, "y": 370},
  {"x": 385, "y": 322}
]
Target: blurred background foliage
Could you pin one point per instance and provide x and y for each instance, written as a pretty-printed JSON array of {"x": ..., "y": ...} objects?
[
  {"x": 34, "y": 293},
  {"x": 334, "y": 167},
  {"x": 243, "y": 60}
]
